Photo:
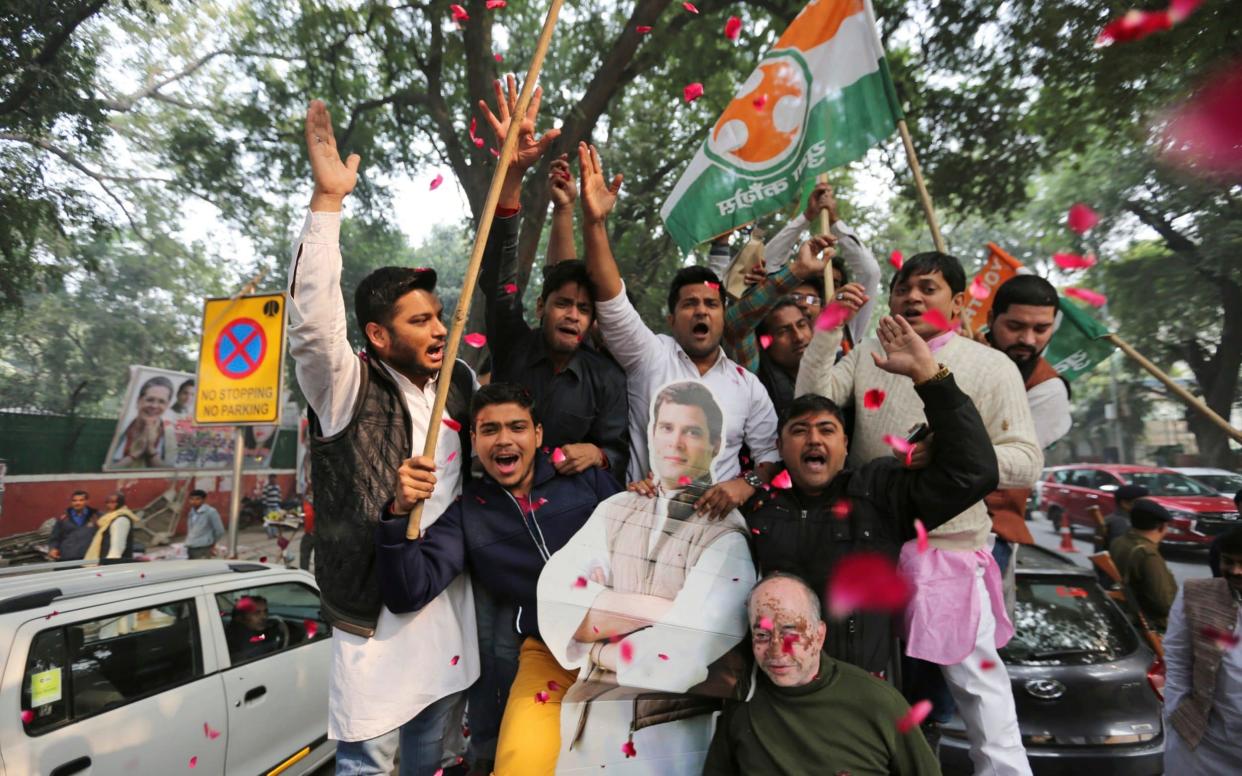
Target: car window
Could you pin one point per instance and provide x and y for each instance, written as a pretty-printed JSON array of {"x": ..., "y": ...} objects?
[
  {"x": 266, "y": 619},
  {"x": 1224, "y": 484},
  {"x": 1104, "y": 480},
  {"x": 1062, "y": 476},
  {"x": 85, "y": 668},
  {"x": 1169, "y": 484},
  {"x": 1080, "y": 478},
  {"x": 1060, "y": 621}
]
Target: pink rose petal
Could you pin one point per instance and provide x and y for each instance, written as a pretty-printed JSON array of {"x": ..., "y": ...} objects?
[
  {"x": 1180, "y": 9},
  {"x": 282, "y": 542},
  {"x": 474, "y": 125},
  {"x": 211, "y": 733},
  {"x": 897, "y": 443},
  {"x": 832, "y": 316},
  {"x": 480, "y": 499},
  {"x": 553, "y": 685},
  {"x": 692, "y": 91},
  {"x": 733, "y": 28},
  {"x": 787, "y": 643},
  {"x": 712, "y": 285},
  {"x": 494, "y": 152},
  {"x": 765, "y": 623},
  {"x": 683, "y": 481},
  {"x": 541, "y": 696},
  {"x": 987, "y": 665},
  {"x": 874, "y": 399},
  {"x": 459, "y": 13},
  {"x": 1134, "y": 25},
  {"x": 1204, "y": 135},
  {"x": 494, "y": 4},
  {"x": 1073, "y": 260},
  {"x": 538, "y": 503},
  {"x": 580, "y": 582},
  {"x": 453, "y": 662},
  {"x": 627, "y": 652},
  {"x": 782, "y": 480},
  {"x": 27, "y": 716},
  {"x": 498, "y": 57},
  {"x": 1224, "y": 640},
  {"x": 690, "y": 7},
  {"x": 451, "y": 456},
  {"x": 1093, "y": 298},
  {"x": 1081, "y": 218},
  {"x": 895, "y": 258},
  {"x": 914, "y": 717},
  {"x": 436, "y": 181},
  {"x": 979, "y": 289},
  {"x": 258, "y": 639},
  {"x": 740, "y": 370},
  {"x": 841, "y": 508},
  {"x": 643, "y": 29},
  {"x": 765, "y": 340},
  {"x": 311, "y": 627},
  {"x": 194, "y": 762},
  {"x": 866, "y": 581},
  {"x": 628, "y": 749},
  {"x": 937, "y": 319},
  {"x": 760, "y": 101},
  {"x": 662, "y": 656},
  {"x": 921, "y": 533},
  {"x": 511, "y": 288},
  {"x": 244, "y": 604},
  {"x": 446, "y": 420},
  {"x": 558, "y": 456}
]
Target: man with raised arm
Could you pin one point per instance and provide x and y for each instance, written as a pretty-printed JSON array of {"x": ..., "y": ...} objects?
[
  {"x": 395, "y": 678},
  {"x": 693, "y": 352}
]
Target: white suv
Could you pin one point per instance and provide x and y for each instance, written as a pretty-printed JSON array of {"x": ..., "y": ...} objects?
[{"x": 193, "y": 666}]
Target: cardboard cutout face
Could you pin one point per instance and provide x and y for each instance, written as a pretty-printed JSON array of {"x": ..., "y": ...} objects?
[{"x": 647, "y": 601}]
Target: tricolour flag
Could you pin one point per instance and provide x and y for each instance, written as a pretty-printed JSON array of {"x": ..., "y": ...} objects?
[
  {"x": 819, "y": 99},
  {"x": 1078, "y": 342}
]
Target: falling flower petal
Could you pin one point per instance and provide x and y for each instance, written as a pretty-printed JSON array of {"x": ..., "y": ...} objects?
[
  {"x": 436, "y": 181},
  {"x": 558, "y": 456},
  {"x": 692, "y": 91},
  {"x": 937, "y": 319},
  {"x": 712, "y": 285},
  {"x": 541, "y": 696},
  {"x": 662, "y": 656},
  {"x": 1224, "y": 640},
  {"x": 446, "y": 420},
  {"x": 979, "y": 289},
  {"x": 914, "y": 717},
  {"x": 897, "y": 443},
  {"x": 538, "y": 503},
  {"x": 1180, "y": 9},
  {"x": 1081, "y": 218},
  {"x": 874, "y": 399},
  {"x": 480, "y": 499},
  {"x": 1205, "y": 133},
  {"x": 787, "y": 642},
  {"x": 193, "y": 762},
  {"x": 244, "y": 604},
  {"x": 643, "y": 29},
  {"x": 690, "y": 7},
  {"x": 628, "y": 749},
  {"x": 258, "y": 639},
  {"x": 494, "y": 4},
  {"x": 896, "y": 259},
  {"x": 1073, "y": 260},
  {"x": 987, "y": 665},
  {"x": 580, "y": 582},
  {"x": 459, "y": 13},
  {"x": 282, "y": 542},
  {"x": 627, "y": 652},
  {"x": 866, "y": 580},
  {"x": 832, "y": 316},
  {"x": 782, "y": 480},
  {"x": 760, "y": 101},
  {"x": 311, "y": 627},
  {"x": 841, "y": 509},
  {"x": 27, "y": 716},
  {"x": 733, "y": 28},
  {"x": 494, "y": 152},
  {"x": 765, "y": 340},
  {"x": 474, "y": 125},
  {"x": 683, "y": 481},
  {"x": 210, "y": 732},
  {"x": 453, "y": 662},
  {"x": 1134, "y": 25},
  {"x": 1093, "y": 298},
  {"x": 511, "y": 288},
  {"x": 451, "y": 456},
  {"x": 498, "y": 57},
  {"x": 921, "y": 532},
  {"x": 765, "y": 623},
  {"x": 740, "y": 370},
  {"x": 553, "y": 685}
]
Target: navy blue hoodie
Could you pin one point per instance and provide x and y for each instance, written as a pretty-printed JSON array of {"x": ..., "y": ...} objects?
[{"x": 504, "y": 546}]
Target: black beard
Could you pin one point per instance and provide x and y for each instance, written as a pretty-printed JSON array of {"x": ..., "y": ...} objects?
[{"x": 1026, "y": 366}]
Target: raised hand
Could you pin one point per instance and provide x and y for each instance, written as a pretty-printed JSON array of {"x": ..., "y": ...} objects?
[
  {"x": 813, "y": 256},
  {"x": 851, "y": 295},
  {"x": 598, "y": 196},
  {"x": 561, "y": 185},
  {"x": 821, "y": 197},
  {"x": 529, "y": 148},
  {"x": 905, "y": 352},
  {"x": 334, "y": 179}
]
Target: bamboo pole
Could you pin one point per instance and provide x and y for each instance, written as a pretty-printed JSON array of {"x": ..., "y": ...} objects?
[
  {"x": 1192, "y": 401},
  {"x": 826, "y": 228},
  {"x": 921, "y": 186},
  {"x": 413, "y": 528}
]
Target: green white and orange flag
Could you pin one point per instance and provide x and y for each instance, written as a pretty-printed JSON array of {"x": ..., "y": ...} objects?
[{"x": 819, "y": 99}]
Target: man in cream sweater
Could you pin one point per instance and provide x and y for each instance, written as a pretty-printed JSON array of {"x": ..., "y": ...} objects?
[{"x": 929, "y": 291}]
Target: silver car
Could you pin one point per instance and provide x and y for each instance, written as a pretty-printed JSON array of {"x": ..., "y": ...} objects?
[{"x": 210, "y": 665}]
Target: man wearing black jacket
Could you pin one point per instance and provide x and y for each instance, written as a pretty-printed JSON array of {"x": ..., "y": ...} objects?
[
  {"x": 504, "y": 528},
  {"x": 830, "y": 511}
]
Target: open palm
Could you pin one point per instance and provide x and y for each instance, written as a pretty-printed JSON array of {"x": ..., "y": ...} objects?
[
  {"x": 598, "y": 196},
  {"x": 529, "y": 148},
  {"x": 905, "y": 352},
  {"x": 332, "y": 176}
]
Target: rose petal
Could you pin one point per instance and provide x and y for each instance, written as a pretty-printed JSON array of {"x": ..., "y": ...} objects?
[
  {"x": 193, "y": 762},
  {"x": 580, "y": 582},
  {"x": 480, "y": 499},
  {"x": 874, "y": 399},
  {"x": 832, "y": 316},
  {"x": 474, "y": 125},
  {"x": 453, "y": 662},
  {"x": 787, "y": 642},
  {"x": 541, "y": 696},
  {"x": 282, "y": 542},
  {"x": 692, "y": 91},
  {"x": 897, "y": 443},
  {"x": 733, "y": 27},
  {"x": 1093, "y": 298},
  {"x": 558, "y": 456},
  {"x": 690, "y": 7},
  {"x": 511, "y": 288},
  {"x": 628, "y": 749},
  {"x": 765, "y": 623},
  {"x": 51, "y": 614},
  {"x": 211, "y": 733},
  {"x": 896, "y": 259},
  {"x": 760, "y": 101},
  {"x": 27, "y": 716},
  {"x": 446, "y": 420},
  {"x": 937, "y": 319},
  {"x": 459, "y": 13},
  {"x": 451, "y": 456},
  {"x": 1073, "y": 260},
  {"x": 712, "y": 285},
  {"x": 1081, "y": 218},
  {"x": 765, "y": 340},
  {"x": 436, "y": 181},
  {"x": 914, "y": 717},
  {"x": 782, "y": 480},
  {"x": 979, "y": 289},
  {"x": 987, "y": 665},
  {"x": 921, "y": 533},
  {"x": 1224, "y": 640},
  {"x": 662, "y": 656},
  {"x": 1205, "y": 133},
  {"x": 868, "y": 581},
  {"x": 841, "y": 508},
  {"x": 643, "y": 29},
  {"x": 553, "y": 685},
  {"x": 1134, "y": 25},
  {"x": 740, "y": 370},
  {"x": 498, "y": 57},
  {"x": 683, "y": 481},
  {"x": 311, "y": 627},
  {"x": 1180, "y": 9},
  {"x": 494, "y": 152},
  {"x": 244, "y": 604},
  {"x": 627, "y": 652},
  {"x": 257, "y": 639},
  {"x": 494, "y": 4}
]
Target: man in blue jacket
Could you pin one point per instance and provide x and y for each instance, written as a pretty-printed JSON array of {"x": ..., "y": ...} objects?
[{"x": 504, "y": 528}]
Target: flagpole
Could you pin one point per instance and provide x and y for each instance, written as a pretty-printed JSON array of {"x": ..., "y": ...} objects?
[
  {"x": 414, "y": 526},
  {"x": 825, "y": 228},
  {"x": 924, "y": 197}
]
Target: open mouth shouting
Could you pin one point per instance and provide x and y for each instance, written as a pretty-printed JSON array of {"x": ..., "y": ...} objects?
[
  {"x": 700, "y": 329},
  {"x": 506, "y": 461},
  {"x": 815, "y": 461},
  {"x": 435, "y": 352}
]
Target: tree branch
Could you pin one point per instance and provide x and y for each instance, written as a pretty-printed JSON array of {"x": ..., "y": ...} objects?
[
  {"x": 126, "y": 103},
  {"x": 51, "y": 48}
]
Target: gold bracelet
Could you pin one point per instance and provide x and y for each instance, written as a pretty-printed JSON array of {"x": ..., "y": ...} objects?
[{"x": 941, "y": 374}]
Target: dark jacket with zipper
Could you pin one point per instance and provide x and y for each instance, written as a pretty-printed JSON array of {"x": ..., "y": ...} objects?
[
  {"x": 486, "y": 531},
  {"x": 800, "y": 534}
]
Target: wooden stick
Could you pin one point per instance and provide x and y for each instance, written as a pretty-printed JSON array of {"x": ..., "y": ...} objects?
[
  {"x": 1192, "y": 401},
  {"x": 825, "y": 228},
  {"x": 414, "y": 527},
  {"x": 921, "y": 186}
]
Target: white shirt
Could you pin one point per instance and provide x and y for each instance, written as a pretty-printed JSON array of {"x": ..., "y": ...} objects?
[
  {"x": 377, "y": 684},
  {"x": 652, "y": 360},
  {"x": 1050, "y": 409}
]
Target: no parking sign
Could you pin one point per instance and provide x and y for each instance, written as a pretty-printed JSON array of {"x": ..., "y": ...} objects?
[{"x": 240, "y": 360}]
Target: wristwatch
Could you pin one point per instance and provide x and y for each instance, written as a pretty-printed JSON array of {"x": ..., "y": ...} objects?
[{"x": 752, "y": 479}]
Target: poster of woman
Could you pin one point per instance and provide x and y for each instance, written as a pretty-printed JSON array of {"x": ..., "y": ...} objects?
[{"x": 647, "y": 601}]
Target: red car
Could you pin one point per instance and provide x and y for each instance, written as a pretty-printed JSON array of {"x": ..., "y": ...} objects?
[{"x": 1199, "y": 513}]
